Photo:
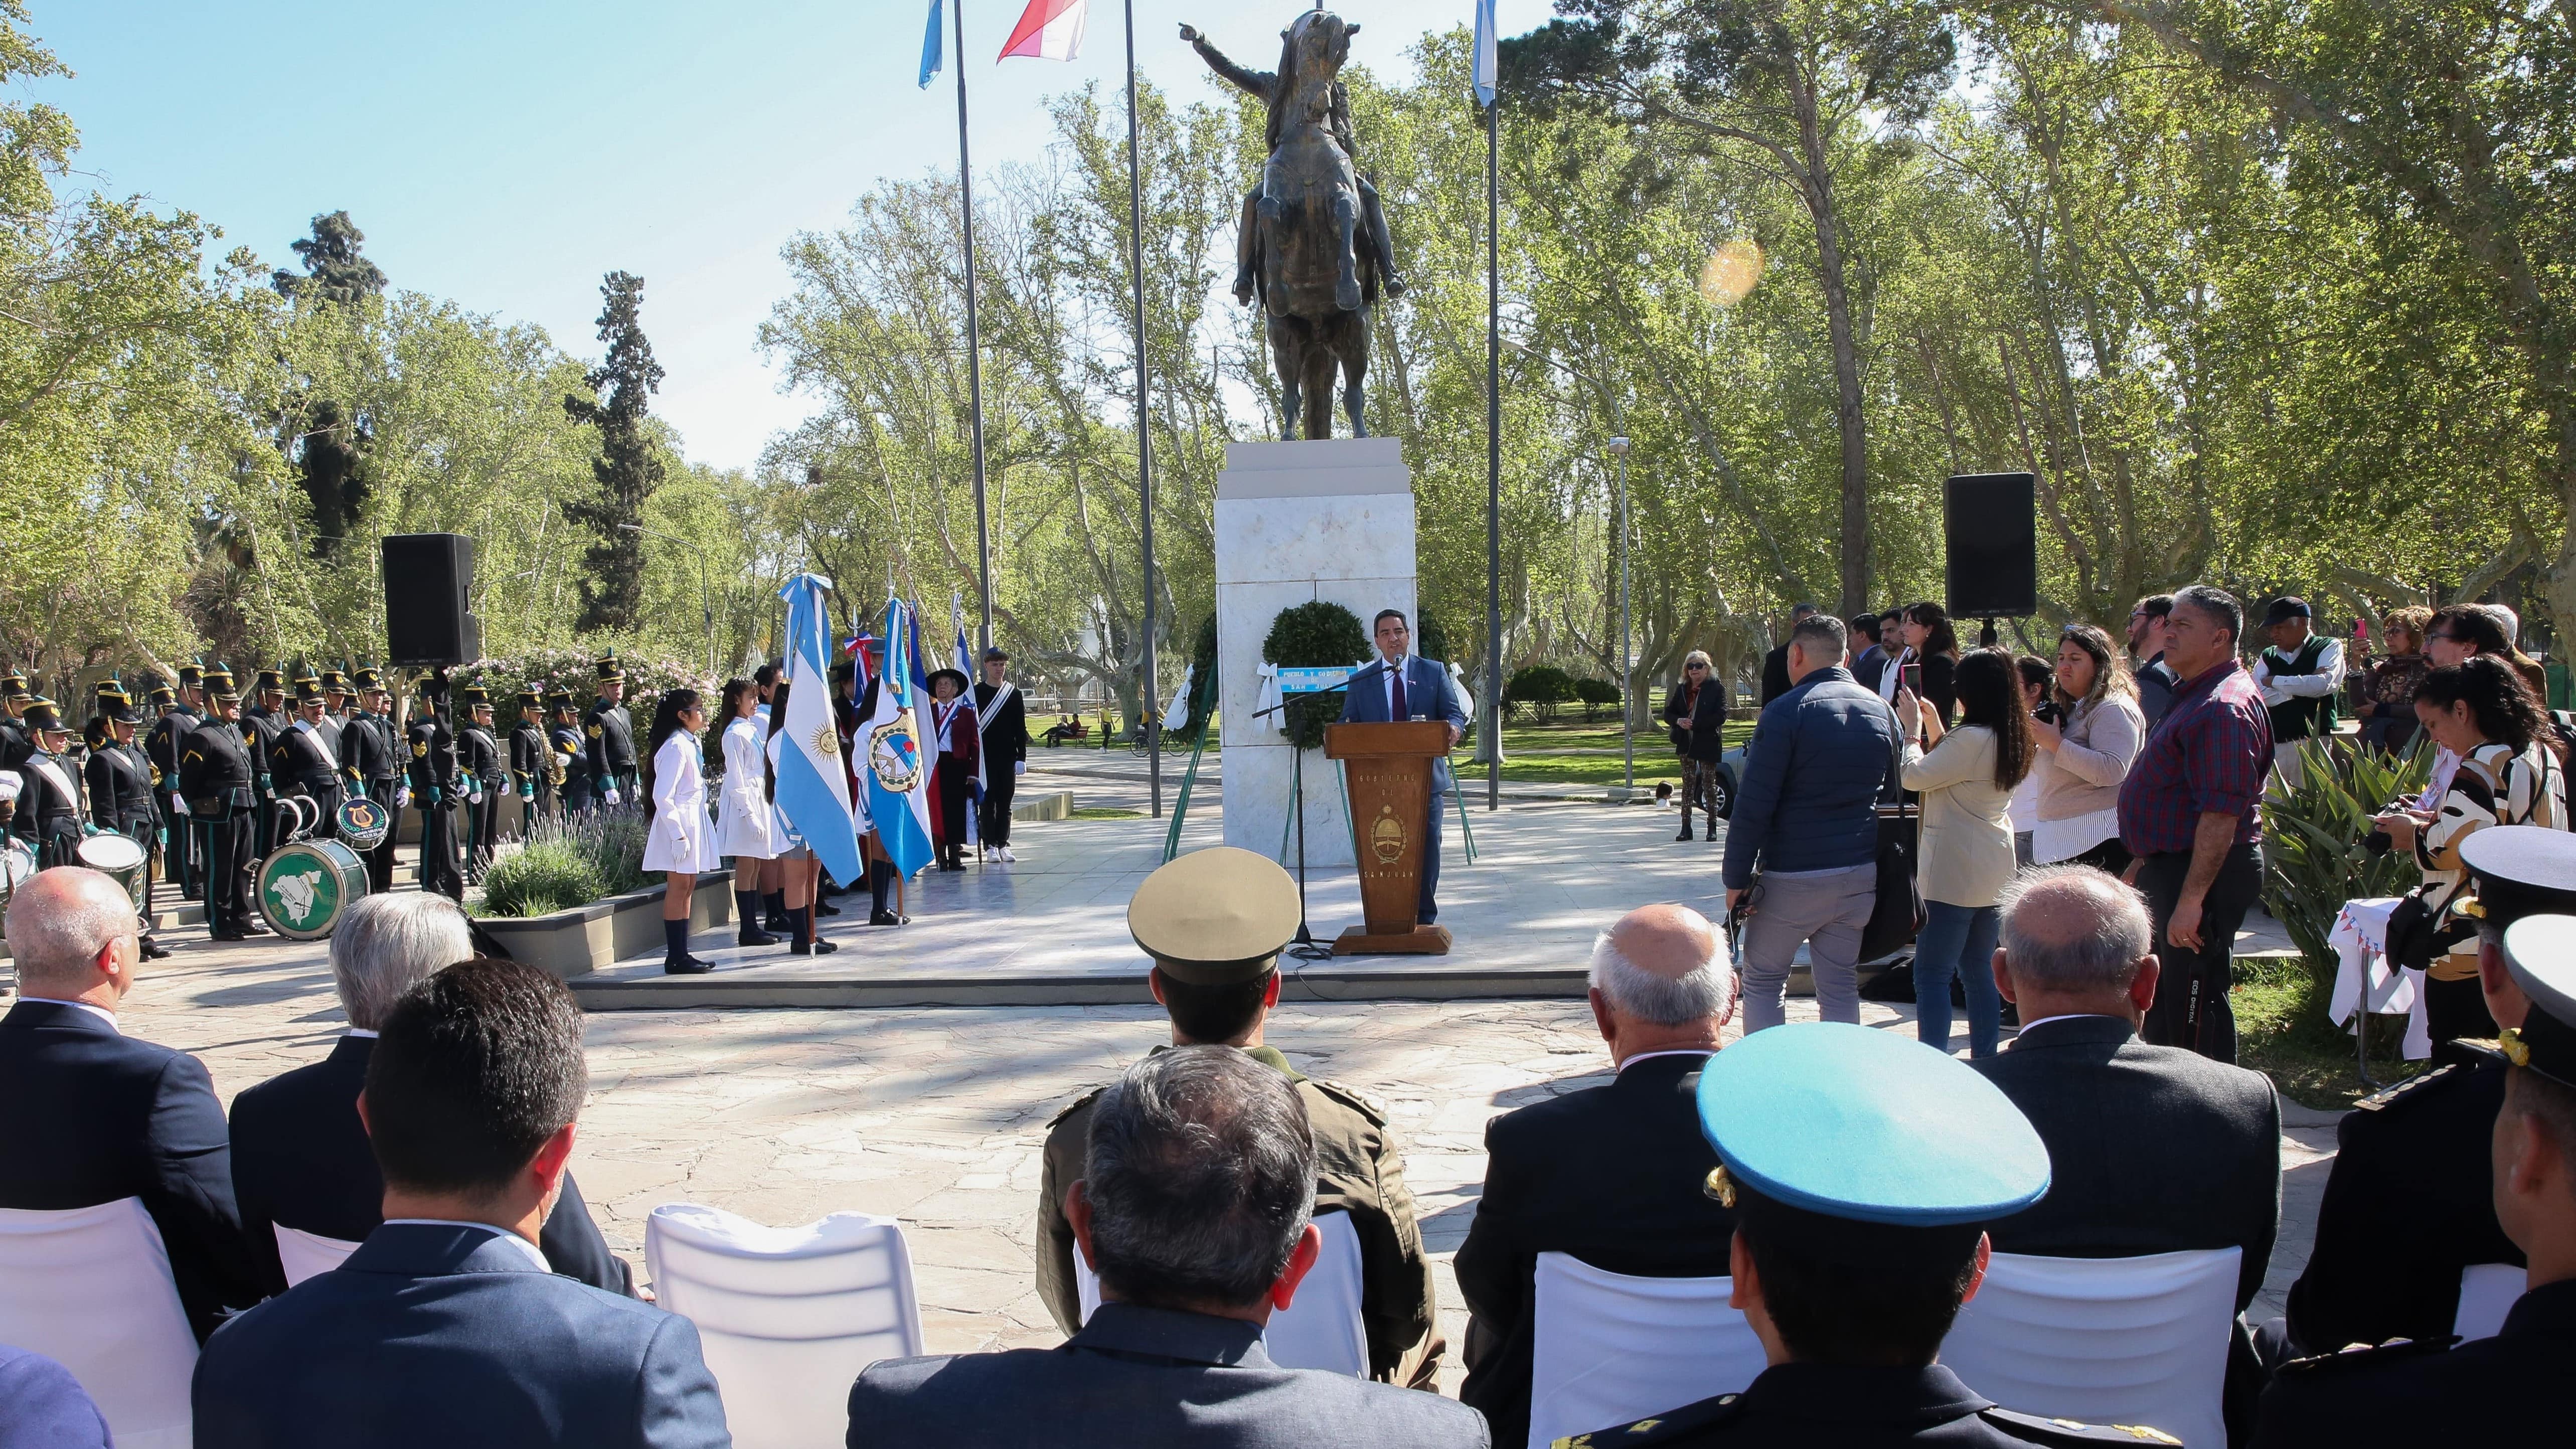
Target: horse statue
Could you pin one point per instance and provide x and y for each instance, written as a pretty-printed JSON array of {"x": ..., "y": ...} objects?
[{"x": 1314, "y": 247}]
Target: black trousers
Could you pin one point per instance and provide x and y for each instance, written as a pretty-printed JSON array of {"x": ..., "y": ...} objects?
[
  {"x": 380, "y": 861},
  {"x": 994, "y": 818},
  {"x": 952, "y": 782},
  {"x": 230, "y": 844},
  {"x": 440, "y": 871},
  {"x": 2191, "y": 1007},
  {"x": 179, "y": 863},
  {"x": 482, "y": 831}
]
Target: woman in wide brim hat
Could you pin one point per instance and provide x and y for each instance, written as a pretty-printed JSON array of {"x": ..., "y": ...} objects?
[{"x": 953, "y": 742}]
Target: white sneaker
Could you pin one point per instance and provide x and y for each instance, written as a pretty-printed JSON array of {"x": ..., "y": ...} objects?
[{"x": 1006, "y": 853}]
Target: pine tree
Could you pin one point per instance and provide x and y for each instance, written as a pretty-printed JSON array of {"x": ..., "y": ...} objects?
[
  {"x": 629, "y": 466},
  {"x": 333, "y": 269},
  {"x": 328, "y": 443}
]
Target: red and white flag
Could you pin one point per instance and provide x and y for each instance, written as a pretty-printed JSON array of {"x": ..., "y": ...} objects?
[{"x": 1048, "y": 30}]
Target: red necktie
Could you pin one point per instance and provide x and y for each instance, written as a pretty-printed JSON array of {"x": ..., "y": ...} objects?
[{"x": 1396, "y": 709}]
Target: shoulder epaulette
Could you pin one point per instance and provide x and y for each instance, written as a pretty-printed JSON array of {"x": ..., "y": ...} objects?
[
  {"x": 1077, "y": 1104},
  {"x": 2371, "y": 1356},
  {"x": 2033, "y": 1429},
  {"x": 2386, "y": 1097},
  {"x": 1689, "y": 1418},
  {"x": 1353, "y": 1098}
]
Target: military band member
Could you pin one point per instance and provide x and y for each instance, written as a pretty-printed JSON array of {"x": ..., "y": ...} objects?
[
  {"x": 302, "y": 762},
  {"x": 218, "y": 788},
  {"x": 335, "y": 709},
  {"x": 122, "y": 786},
  {"x": 430, "y": 743},
  {"x": 262, "y": 719},
  {"x": 372, "y": 762},
  {"x": 183, "y": 711},
  {"x": 481, "y": 776},
  {"x": 14, "y": 744},
  {"x": 49, "y": 796},
  {"x": 1214, "y": 922},
  {"x": 532, "y": 771},
  {"x": 609, "y": 735},
  {"x": 1003, "y": 718},
  {"x": 571, "y": 753}
]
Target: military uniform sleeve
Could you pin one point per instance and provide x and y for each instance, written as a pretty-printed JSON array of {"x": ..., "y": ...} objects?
[
  {"x": 101, "y": 778},
  {"x": 1060, "y": 1167},
  {"x": 1399, "y": 1304}
]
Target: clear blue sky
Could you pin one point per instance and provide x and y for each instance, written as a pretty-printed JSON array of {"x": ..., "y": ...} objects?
[{"x": 506, "y": 153}]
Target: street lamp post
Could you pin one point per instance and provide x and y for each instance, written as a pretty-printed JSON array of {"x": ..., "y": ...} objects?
[
  {"x": 1627, "y": 655},
  {"x": 706, "y": 596}
]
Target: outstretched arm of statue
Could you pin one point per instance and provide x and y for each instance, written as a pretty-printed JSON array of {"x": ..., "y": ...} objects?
[{"x": 1257, "y": 83}]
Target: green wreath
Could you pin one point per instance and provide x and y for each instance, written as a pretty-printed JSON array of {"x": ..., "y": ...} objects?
[{"x": 1319, "y": 635}]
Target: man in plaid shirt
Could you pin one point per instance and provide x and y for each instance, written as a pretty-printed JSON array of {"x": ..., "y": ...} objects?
[{"x": 2190, "y": 811}]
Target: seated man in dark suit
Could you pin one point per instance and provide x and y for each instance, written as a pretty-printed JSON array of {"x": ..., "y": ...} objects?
[
  {"x": 94, "y": 1116},
  {"x": 1611, "y": 1174},
  {"x": 1194, "y": 1210},
  {"x": 447, "y": 1327},
  {"x": 2152, "y": 1149},
  {"x": 300, "y": 1154}
]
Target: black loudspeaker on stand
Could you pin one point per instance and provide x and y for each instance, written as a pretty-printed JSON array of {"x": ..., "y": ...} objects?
[
  {"x": 429, "y": 577},
  {"x": 1990, "y": 531}
]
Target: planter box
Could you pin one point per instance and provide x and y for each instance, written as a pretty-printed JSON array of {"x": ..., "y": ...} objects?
[
  {"x": 584, "y": 939},
  {"x": 1054, "y": 805}
]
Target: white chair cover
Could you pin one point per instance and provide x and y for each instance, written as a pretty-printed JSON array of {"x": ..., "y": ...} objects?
[
  {"x": 1610, "y": 1347},
  {"x": 1322, "y": 1328},
  {"x": 787, "y": 1316},
  {"x": 2487, "y": 1294},
  {"x": 304, "y": 1254},
  {"x": 2106, "y": 1340},
  {"x": 91, "y": 1288}
]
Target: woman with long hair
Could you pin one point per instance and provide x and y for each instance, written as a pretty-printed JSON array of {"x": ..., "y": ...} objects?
[
  {"x": 1966, "y": 780},
  {"x": 682, "y": 840},
  {"x": 2085, "y": 752},
  {"x": 742, "y": 811},
  {"x": 2038, "y": 683},
  {"x": 1934, "y": 645},
  {"x": 1695, "y": 712},
  {"x": 2508, "y": 775},
  {"x": 796, "y": 865}
]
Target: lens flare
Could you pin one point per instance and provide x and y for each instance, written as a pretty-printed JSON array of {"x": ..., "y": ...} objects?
[{"x": 1731, "y": 271}]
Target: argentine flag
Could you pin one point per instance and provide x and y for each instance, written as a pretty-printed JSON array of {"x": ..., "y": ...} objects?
[
  {"x": 891, "y": 767},
  {"x": 813, "y": 789}
]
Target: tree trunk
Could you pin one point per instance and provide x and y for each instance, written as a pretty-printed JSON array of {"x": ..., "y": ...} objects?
[{"x": 1817, "y": 188}]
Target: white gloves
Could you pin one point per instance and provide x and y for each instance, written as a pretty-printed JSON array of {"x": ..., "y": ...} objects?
[
  {"x": 402, "y": 797},
  {"x": 473, "y": 797},
  {"x": 610, "y": 795},
  {"x": 1020, "y": 768}
]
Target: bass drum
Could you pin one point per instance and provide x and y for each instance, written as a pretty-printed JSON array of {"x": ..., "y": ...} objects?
[
  {"x": 120, "y": 858},
  {"x": 304, "y": 888},
  {"x": 363, "y": 823}
]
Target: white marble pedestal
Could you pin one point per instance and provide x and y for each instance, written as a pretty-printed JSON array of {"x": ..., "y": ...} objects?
[{"x": 1296, "y": 522}]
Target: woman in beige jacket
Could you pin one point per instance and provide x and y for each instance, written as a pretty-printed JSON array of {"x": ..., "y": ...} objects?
[
  {"x": 2084, "y": 757},
  {"x": 1966, "y": 780}
]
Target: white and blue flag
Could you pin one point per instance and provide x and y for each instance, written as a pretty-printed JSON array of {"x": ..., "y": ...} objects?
[
  {"x": 930, "y": 49},
  {"x": 892, "y": 769},
  {"x": 1485, "y": 56},
  {"x": 813, "y": 786}
]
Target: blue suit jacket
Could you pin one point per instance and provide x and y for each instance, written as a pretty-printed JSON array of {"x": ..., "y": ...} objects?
[
  {"x": 1426, "y": 692},
  {"x": 437, "y": 1337},
  {"x": 43, "y": 1407}
]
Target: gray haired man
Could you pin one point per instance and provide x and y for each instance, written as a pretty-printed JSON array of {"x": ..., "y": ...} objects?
[
  {"x": 1612, "y": 1174},
  {"x": 1194, "y": 1212},
  {"x": 301, "y": 1158}
]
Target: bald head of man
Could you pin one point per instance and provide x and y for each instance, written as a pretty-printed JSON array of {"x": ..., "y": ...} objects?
[
  {"x": 2075, "y": 942},
  {"x": 72, "y": 931},
  {"x": 1661, "y": 981}
]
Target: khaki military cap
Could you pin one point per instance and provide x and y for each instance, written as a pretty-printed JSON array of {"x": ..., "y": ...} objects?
[{"x": 1215, "y": 916}]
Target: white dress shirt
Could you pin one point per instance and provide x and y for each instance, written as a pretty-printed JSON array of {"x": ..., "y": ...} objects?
[
  {"x": 101, "y": 1012},
  {"x": 1386, "y": 681},
  {"x": 2325, "y": 681}
]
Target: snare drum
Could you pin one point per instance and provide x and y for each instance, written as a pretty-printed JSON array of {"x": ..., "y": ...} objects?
[
  {"x": 363, "y": 823},
  {"x": 17, "y": 863},
  {"x": 120, "y": 858},
  {"x": 304, "y": 888}
]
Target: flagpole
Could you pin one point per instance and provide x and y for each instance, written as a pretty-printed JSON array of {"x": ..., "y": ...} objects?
[
  {"x": 974, "y": 348},
  {"x": 1144, "y": 433},
  {"x": 1493, "y": 455}
]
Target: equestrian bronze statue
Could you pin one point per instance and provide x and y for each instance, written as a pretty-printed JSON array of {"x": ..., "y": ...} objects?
[{"x": 1314, "y": 247}]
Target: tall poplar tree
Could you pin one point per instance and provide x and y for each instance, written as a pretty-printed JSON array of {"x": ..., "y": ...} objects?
[
  {"x": 629, "y": 466},
  {"x": 327, "y": 441}
]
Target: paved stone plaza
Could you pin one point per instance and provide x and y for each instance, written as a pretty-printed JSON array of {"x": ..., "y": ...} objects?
[{"x": 936, "y": 1115}]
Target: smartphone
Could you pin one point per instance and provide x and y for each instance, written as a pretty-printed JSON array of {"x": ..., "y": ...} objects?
[{"x": 1910, "y": 676}]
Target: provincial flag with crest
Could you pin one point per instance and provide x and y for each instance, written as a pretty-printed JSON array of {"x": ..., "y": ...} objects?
[{"x": 891, "y": 767}]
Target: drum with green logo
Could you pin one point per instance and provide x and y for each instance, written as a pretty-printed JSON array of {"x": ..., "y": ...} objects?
[{"x": 305, "y": 887}]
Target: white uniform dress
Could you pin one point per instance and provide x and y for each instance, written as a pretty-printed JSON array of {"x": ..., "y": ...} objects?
[
  {"x": 743, "y": 814},
  {"x": 683, "y": 838}
]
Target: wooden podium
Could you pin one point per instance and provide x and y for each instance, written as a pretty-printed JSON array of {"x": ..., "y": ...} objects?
[{"x": 1390, "y": 781}]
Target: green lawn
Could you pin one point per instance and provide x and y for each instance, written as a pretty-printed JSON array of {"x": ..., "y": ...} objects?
[
  {"x": 1524, "y": 742},
  {"x": 2281, "y": 1029}
]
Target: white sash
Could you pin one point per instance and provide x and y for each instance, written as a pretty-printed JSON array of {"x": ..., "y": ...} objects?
[
  {"x": 984, "y": 713},
  {"x": 48, "y": 766}
]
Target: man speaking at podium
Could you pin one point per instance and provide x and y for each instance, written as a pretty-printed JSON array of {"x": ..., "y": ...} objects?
[{"x": 1401, "y": 687}]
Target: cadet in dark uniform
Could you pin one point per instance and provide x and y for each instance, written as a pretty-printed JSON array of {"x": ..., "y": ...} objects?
[
  {"x": 1003, "y": 718},
  {"x": 1856, "y": 1238},
  {"x": 371, "y": 760},
  {"x": 1214, "y": 921},
  {"x": 2511, "y": 1389},
  {"x": 217, "y": 785},
  {"x": 121, "y": 785},
  {"x": 430, "y": 747},
  {"x": 2408, "y": 1203},
  {"x": 572, "y": 755},
  {"x": 262, "y": 722},
  {"x": 335, "y": 709},
  {"x": 301, "y": 761},
  {"x": 481, "y": 777},
  {"x": 532, "y": 775},
  {"x": 49, "y": 796},
  {"x": 14, "y": 744},
  {"x": 162, "y": 745},
  {"x": 608, "y": 735}
]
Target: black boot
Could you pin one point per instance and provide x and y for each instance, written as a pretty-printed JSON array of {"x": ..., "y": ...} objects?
[
  {"x": 747, "y": 907},
  {"x": 1685, "y": 835},
  {"x": 1711, "y": 832},
  {"x": 806, "y": 944},
  {"x": 773, "y": 918},
  {"x": 676, "y": 960},
  {"x": 880, "y": 882}
]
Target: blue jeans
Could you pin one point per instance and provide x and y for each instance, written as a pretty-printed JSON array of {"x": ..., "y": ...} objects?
[{"x": 1957, "y": 941}]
